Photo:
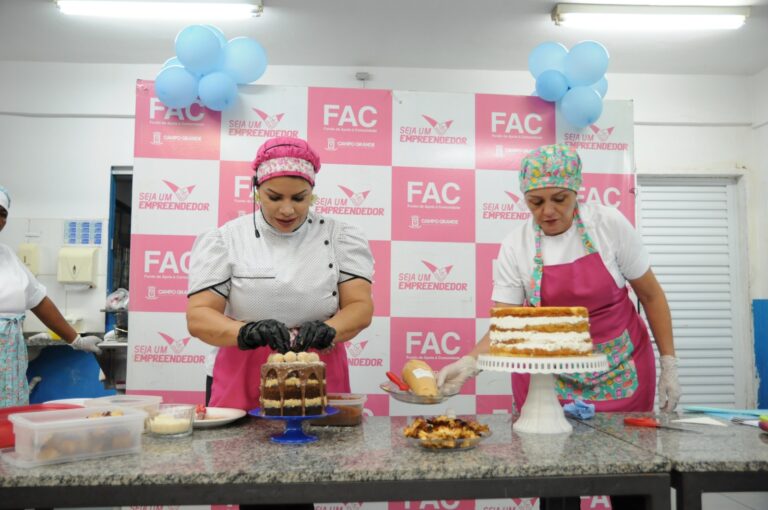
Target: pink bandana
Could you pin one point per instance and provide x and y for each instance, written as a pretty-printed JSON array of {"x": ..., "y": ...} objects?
[
  {"x": 286, "y": 156},
  {"x": 279, "y": 167}
]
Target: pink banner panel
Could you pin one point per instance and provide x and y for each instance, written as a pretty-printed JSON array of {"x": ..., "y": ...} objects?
[
  {"x": 351, "y": 126},
  {"x": 508, "y": 127},
  {"x": 438, "y": 342},
  {"x": 235, "y": 190},
  {"x": 177, "y": 133},
  {"x": 159, "y": 269},
  {"x": 431, "y": 204}
]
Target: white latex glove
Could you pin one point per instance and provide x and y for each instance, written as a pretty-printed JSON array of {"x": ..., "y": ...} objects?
[
  {"x": 669, "y": 384},
  {"x": 452, "y": 377},
  {"x": 86, "y": 343}
]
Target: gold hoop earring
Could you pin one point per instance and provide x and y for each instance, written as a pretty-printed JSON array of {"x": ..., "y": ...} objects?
[
  {"x": 256, "y": 197},
  {"x": 313, "y": 199}
]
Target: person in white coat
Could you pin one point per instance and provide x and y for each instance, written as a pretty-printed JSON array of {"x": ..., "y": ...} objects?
[
  {"x": 282, "y": 279},
  {"x": 571, "y": 254},
  {"x": 20, "y": 291}
]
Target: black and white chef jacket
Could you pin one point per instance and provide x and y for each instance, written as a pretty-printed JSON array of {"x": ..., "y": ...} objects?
[{"x": 290, "y": 277}]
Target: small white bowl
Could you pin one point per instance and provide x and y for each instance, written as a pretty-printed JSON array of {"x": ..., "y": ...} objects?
[{"x": 172, "y": 420}]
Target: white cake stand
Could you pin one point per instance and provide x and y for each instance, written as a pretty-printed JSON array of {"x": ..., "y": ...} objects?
[{"x": 542, "y": 412}]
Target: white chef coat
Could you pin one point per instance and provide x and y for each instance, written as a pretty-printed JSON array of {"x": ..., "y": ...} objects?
[
  {"x": 290, "y": 277},
  {"x": 19, "y": 289},
  {"x": 619, "y": 244}
]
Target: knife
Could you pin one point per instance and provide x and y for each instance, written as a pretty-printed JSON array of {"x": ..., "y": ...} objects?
[{"x": 398, "y": 382}]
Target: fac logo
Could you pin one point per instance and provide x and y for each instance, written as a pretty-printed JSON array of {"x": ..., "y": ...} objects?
[
  {"x": 439, "y": 127},
  {"x": 355, "y": 349},
  {"x": 602, "y": 134},
  {"x": 270, "y": 120},
  {"x": 356, "y": 198},
  {"x": 176, "y": 345},
  {"x": 182, "y": 193},
  {"x": 440, "y": 273}
]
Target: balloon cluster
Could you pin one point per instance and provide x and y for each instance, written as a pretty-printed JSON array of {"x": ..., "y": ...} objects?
[
  {"x": 574, "y": 80},
  {"x": 208, "y": 66}
]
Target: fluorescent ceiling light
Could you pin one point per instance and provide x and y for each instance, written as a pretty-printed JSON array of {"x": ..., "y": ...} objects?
[
  {"x": 648, "y": 17},
  {"x": 161, "y": 10}
]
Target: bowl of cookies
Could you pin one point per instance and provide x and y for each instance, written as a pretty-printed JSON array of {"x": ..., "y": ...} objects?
[{"x": 446, "y": 433}]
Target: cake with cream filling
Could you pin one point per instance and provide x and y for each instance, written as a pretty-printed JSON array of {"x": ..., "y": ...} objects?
[
  {"x": 293, "y": 385},
  {"x": 547, "y": 331}
]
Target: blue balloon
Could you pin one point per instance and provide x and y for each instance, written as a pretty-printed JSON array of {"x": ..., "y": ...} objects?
[
  {"x": 218, "y": 91},
  {"x": 244, "y": 60},
  {"x": 581, "y": 106},
  {"x": 218, "y": 33},
  {"x": 176, "y": 87},
  {"x": 586, "y": 63},
  {"x": 601, "y": 87},
  {"x": 198, "y": 48},
  {"x": 547, "y": 56},
  {"x": 551, "y": 85},
  {"x": 173, "y": 61}
]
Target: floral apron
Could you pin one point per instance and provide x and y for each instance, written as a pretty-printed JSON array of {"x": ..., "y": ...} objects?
[
  {"x": 14, "y": 390},
  {"x": 616, "y": 328}
]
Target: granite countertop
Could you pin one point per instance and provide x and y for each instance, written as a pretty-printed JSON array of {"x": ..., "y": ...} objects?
[
  {"x": 376, "y": 451},
  {"x": 735, "y": 447}
]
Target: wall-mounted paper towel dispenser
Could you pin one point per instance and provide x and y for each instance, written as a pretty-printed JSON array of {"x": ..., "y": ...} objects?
[{"x": 78, "y": 265}]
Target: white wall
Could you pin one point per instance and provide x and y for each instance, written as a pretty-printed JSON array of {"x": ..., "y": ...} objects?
[{"x": 65, "y": 125}]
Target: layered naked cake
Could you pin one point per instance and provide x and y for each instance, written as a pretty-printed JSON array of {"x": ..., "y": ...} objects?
[
  {"x": 540, "y": 331},
  {"x": 293, "y": 385}
]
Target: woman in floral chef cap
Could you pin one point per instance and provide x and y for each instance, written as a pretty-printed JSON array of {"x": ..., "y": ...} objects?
[
  {"x": 571, "y": 254},
  {"x": 284, "y": 279}
]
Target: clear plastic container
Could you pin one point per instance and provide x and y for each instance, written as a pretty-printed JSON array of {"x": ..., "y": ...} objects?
[
  {"x": 53, "y": 437},
  {"x": 147, "y": 403},
  {"x": 350, "y": 406}
]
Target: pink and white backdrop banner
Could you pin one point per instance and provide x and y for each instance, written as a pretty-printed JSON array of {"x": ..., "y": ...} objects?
[{"x": 431, "y": 178}]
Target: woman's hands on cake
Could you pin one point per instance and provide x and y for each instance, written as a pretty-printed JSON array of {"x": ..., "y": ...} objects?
[
  {"x": 452, "y": 377},
  {"x": 669, "y": 384},
  {"x": 314, "y": 335},
  {"x": 268, "y": 332}
]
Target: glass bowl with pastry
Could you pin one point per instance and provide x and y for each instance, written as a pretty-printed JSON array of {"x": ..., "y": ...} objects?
[
  {"x": 445, "y": 433},
  {"x": 418, "y": 384}
]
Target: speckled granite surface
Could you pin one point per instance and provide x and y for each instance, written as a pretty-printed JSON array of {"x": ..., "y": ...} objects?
[
  {"x": 242, "y": 453},
  {"x": 733, "y": 448}
]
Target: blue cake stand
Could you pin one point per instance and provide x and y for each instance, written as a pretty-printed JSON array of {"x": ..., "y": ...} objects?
[{"x": 293, "y": 433}]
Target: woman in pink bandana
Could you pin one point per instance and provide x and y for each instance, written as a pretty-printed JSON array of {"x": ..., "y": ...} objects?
[
  {"x": 571, "y": 254},
  {"x": 282, "y": 279}
]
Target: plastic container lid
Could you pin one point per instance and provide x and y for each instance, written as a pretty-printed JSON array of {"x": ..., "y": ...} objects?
[
  {"x": 7, "y": 438},
  {"x": 126, "y": 401}
]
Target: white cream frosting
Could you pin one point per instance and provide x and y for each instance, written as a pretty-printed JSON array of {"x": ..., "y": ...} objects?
[
  {"x": 571, "y": 346},
  {"x": 509, "y": 322},
  {"x": 540, "y": 336}
]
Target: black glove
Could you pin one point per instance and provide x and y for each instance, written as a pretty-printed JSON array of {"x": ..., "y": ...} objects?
[
  {"x": 314, "y": 334},
  {"x": 262, "y": 333}
]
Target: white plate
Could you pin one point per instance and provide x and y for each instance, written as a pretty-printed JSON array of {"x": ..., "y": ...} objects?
[{"x": 218, "y": 416}]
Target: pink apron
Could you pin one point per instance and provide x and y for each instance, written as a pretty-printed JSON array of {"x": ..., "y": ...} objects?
[
  {"x": 617, "y": 331},
  {"x": 237, "y": 375}
]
